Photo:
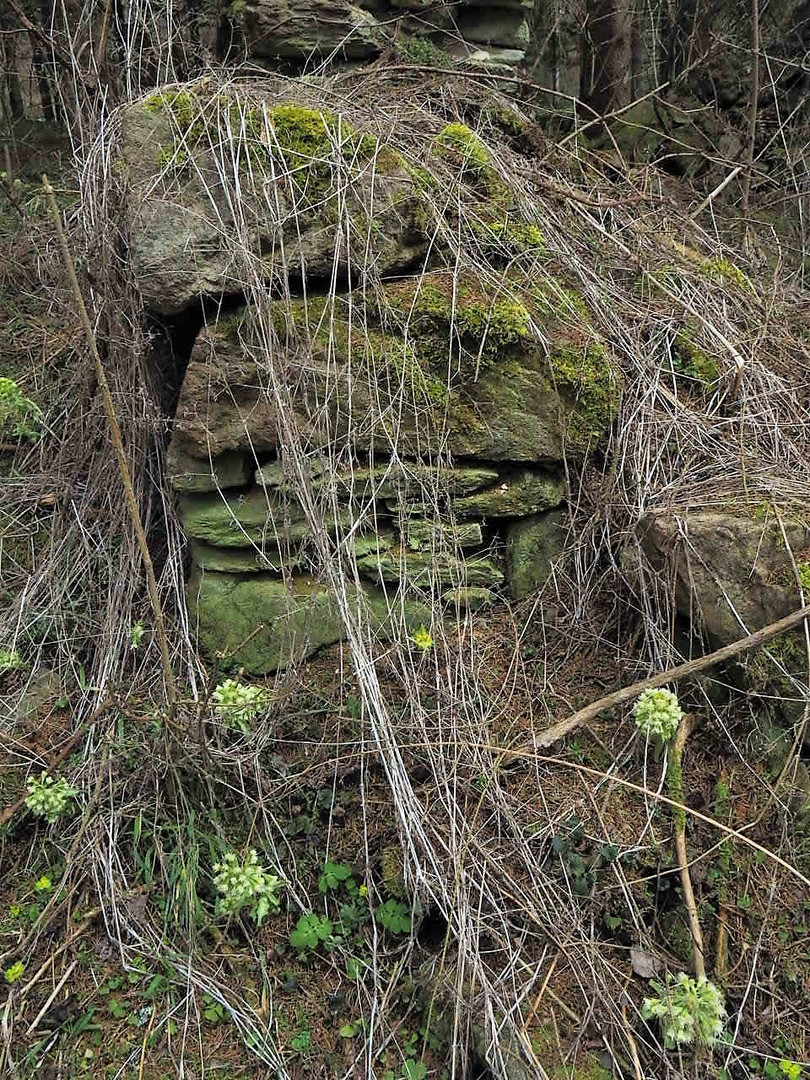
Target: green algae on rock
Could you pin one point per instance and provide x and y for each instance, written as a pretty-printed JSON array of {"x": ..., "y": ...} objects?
[
  {"x": 261, "y": 623},
  {"x": 532, "y": 544}
]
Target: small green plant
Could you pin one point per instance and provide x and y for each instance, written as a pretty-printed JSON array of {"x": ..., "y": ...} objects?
[
  {"x": 335, "y": 874},
  {"x": 49, "y": 798},
  {"x": 689, "y": 1010},
  {"x": 136, "y": 635},
  {"x": 310, "y": 931},
  {"x": 422, "y": 639},
  {"x": 10, "y": 660},
  {"x": 722, "y": 270},
  {"x": 43, "y": 884},
  {"x": 18, "y": 413},
  {"x": 11, "y": 974},
  {"x": 394, "y": 916},
  {"x": 246, "y": 884},
  {"x": 213, "y": 1010},
  {"x": 657, "y": 713},
  {"x": 576, "y": 869},
  {"x": 238, "y": 705},
  {"x": 791, "y": 1069},
  {"x": 301, "y": 1042}
]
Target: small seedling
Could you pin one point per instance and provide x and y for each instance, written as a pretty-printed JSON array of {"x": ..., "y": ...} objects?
[
  {"x": 50, "y": 798},
  {"x": 238, "y": 705},
  {"x": 10, "y": 660},
  {"x": 689, "y": 1010},
  {"x": 18, "y": 413},
  {"x": 657, "y": 713},
  {"x": 136, "y": 635},
  {"x": 11, "y": 974},
  {"x": 394, "y": 916},
  {"x": 213, "y": 1010},
  {"x": 333, "y": 875},
  {"x": 246, "y": 884}
]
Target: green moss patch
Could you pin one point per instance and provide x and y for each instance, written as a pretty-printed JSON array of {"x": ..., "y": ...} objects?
[
  {"x": 689, "y": 359},
  {"x": 588, "y": 379}
]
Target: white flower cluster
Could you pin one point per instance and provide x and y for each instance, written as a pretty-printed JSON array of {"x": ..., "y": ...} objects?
[
  {"x": 246, "y": 885},
  {"x": 237, "y": 705},
  {"x": 657, "y": 713},
  {"x": 49, "y": 798},
  {"x": 689, "y": 1010}
]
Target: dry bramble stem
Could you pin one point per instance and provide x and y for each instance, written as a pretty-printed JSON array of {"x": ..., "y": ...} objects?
[
  {"x": 118, "y": 446},
  {"x": 752, "y": 641}
]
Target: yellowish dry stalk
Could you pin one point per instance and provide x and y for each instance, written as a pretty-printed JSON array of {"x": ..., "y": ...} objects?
[{"x": 675, "y": 777}]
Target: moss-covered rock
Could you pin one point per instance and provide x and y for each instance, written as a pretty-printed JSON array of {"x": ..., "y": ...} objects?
[
  {"x": 256, "y": 622},
  {"x": 197, "y": 474},
  {"x": 424, "y": 535},
  {"x": 522, "y": 492},
  {"x": 420, "y": 568},
  {"x": 187, "y": 152},
  {"x": 474, "y": 598},
  {"x": 532, "y": 544},
  {"x": 256, "y": 518}
]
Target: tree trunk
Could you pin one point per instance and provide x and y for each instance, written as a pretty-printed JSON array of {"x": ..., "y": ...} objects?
[
  {"x": 12, "y": 76},
  {"x": 606, "y": 55}
]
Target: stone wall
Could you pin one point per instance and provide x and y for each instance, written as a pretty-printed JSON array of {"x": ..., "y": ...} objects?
[{"x": 359, "y": 395}]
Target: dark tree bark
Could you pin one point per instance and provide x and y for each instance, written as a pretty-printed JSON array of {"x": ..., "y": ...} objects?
[
  {"x": 11, "y": 75},
  {"x": 606, "y": 55}
]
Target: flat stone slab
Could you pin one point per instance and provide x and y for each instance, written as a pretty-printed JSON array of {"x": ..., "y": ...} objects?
[
  {"x": 192, "y": 474},
  {"x": 419, "y": 569}
]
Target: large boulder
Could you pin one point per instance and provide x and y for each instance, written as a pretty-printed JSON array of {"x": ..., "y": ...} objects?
[
  {"x": 227, "y": 190},
  {"x": 731, "y": 571}
]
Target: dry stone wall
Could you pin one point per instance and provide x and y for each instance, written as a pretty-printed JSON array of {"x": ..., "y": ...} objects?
[{"x": 355, "y": 397}]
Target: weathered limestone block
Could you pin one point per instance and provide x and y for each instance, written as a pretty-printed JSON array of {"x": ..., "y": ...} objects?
[
  {"x": 507, "y": 400},
  {"x": 525, "y": 491},
  {"x": 495, "y": 26},
  {"x": 188, "y": 473},
  {"x": 722, "y": 562},
  {"x": 532, "y": 544},
  {"x": 177, "y": 148},
  {"x": 227, "y": 609},
  {"x": 421, "y": 535}
]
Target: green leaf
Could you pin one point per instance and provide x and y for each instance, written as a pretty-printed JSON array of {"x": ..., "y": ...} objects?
[
  {"x": 333, "y": 874},
  {"x": 309, "y": 931},
  {"x": 348, "y": 1031},
  {"x": 394, "y": 916}
]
